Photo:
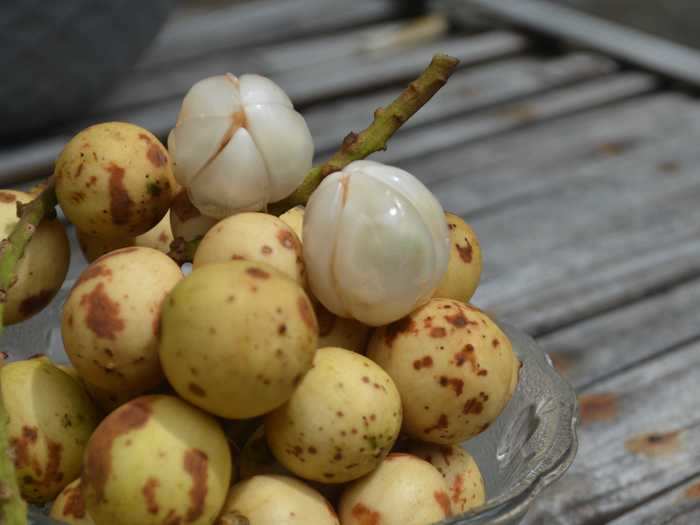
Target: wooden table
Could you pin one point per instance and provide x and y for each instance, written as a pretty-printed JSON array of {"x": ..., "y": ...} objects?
[{"x": 581, "y": 177}]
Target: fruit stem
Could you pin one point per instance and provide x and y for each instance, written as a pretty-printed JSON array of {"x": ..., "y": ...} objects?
[
  {"x": 12, "y": 248},
  {"x": 13, "y": 509},
  {"x": 387, "y": 121}
]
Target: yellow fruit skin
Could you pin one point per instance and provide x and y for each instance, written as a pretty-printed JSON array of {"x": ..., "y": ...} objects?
[
  {"x": 294, "y": 218},
  {"x": 253, "y": 237},
  {"x": 464, "y": 268},
  {"x": 156, "y": 460},
  {"x": 50, "y": 420},
  {"x": 515, "y": 378},
  {"x": 114, "y": 179},
  {"x": 42, "y": 269},
  {"x": 465, "y": 485},
  {"x": 403, "y": 490},
  {"x": 111, "y": 320},
  {"x": 275, "y": 499},
  {"x": 69, "y": 506},
  {"x": 340, "y": 422},
  {"x": 453, "y": 367},
  {"x": 158, "y": 238},
  {"x": 236, "y": 338}
]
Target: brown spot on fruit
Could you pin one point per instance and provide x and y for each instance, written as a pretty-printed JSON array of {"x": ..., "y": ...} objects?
[
  {"x": 53, "y": 474},
  {"x": 75, "y": 503},
  {"x": 21, "y": 445},
  {"x": 465, "y": 355},
  {"x": 7, "y": 197},
  {"x": 172, "y": 519},
  {"x": 195, "y": 463},
  {"x": 438, "y": 331},
  {"x": 257, "y": 273},
  {"x": 35, "y": 303},
  {"x": 439, "y": 425},
  {"x": 364, "y": 515},
  {"x": 654, "y": 444},
  {"x": 197, "y": 390},
  {"x": 458, "y": 320},
  {"x": 266, "y": 250},
  {"x": 307, "y": 314},
  {"x": 157, "y": 156},
  {"x": 472, "y": 406},
  {"x": 92, "y": 272},
  {"x": 402, "y": 326},
  {"x": 457, "y": 488},
  {"x": 286, "y": 239},
  {"x": 236, "y": 257},
  {"x": 495, "y": 343},
  {"x": 102, "y": 313},
  {"x": 77, "y": 197},
  {"x": 119, "y": 201},
  {"x": 425, "y": 362},
  {"x": 98, "y": 465},
  {"x": 91, "y": 182},
  {"x": 482, "y": 373},
  {"x": 149, "y": 494},
  {"x": 444, "y": 502},
  {"x": 282, "y": 329},
  {"x": 465, "y": 252},
  {"x": 453, "y": 382},
  {"x": 597, "y": 407}
]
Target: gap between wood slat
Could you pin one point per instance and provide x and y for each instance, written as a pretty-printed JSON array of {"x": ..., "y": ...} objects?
[
  {"x": 667, "y": 506},
  {"x": 469, "y": 90},
  {"x": 256, "y": 23},
  {"x": 321, "y": 81},
  {"x": 532, "y": 110}
]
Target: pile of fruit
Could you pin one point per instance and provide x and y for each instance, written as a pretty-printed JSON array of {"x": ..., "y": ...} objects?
[{"x": 320, "y": 367}]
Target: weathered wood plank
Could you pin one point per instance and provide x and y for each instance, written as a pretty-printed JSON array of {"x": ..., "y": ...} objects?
[
  {"x": 470, "y": 90},
  {"x": 556, "y": 103},
  {"x": 314, "y": 81},
  {"x": 481, "y": 175},
  {"x": 640, "y": 434},
  {"x": 617, "y": 230},
  {"x": 209, "y": 28},
  {"x": 678, "y": 506},
  {"x": 631, "y": 45},
  {"x": 603, "y": 345}
]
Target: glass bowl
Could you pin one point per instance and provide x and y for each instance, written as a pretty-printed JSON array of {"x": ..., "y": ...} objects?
[{"x": 528, "y": 448}]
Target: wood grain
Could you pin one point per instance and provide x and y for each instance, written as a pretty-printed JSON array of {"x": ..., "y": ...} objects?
[
  {"x": 602, "y": 346},
  {"x": 679, "y": 505},
  {"x": 650, "y": 441},
  {"x": 527, "y": 112},
  {"x": 313, "y": 81}
]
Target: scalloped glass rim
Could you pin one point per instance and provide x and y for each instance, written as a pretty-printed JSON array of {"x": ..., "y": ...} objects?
[{"x": 529, "y": 447}]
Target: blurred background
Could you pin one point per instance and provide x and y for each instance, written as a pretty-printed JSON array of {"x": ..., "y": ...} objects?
[{"x": 568, "y": 138}]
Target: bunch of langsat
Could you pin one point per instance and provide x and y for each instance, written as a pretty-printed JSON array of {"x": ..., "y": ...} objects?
[{"x": 319, "y": 365}]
